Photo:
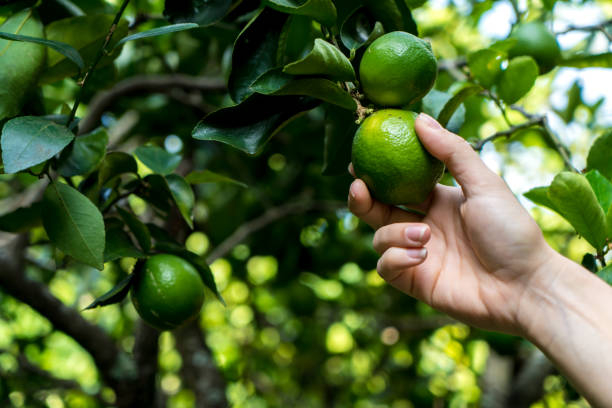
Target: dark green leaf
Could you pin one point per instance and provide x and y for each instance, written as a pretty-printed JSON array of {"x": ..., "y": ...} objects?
[
  {"x": 115, "y": 164},
  {"x": 600, "y": 155},
  {"x": 588, "y": 61},
  {"x": 29, "y": 140},
  {"x": 606, "y": 274},
  {"x": 157, "y": 32},
  {"x": 433, "y": 103},
  {"x": 297, "y": 38},
  {"x": 572, "y": 194},
  {"x": 588, "y": 261},
  {"x": 207, "y": 176},
  {"x": 20, "y": 62},
  {"x": 409, "y": 23},
  {"x": 183, "y": 196},
  {"x": 22, "y": 219},
  {"x": 360, "y": 29},
  {"x": 157, "y": 192},
  {"x": 119, "y": 245},
  {"x": 158, "y": 159},
  {"x": 115, "y": 295},
  {"x": 517, "y": 79},
  {"x": 63, "y": 48},
  {"x": 255, "y": 52},
  {"x": 202, "y": 12},
  {"x": 138, "y": 228},
  {"x": 74, "y": 224},
  {"x": 84, "y": 155},
  {"x": 539, "y": 195},
  {"x": 340, "y": 127},
  {"x": 485, "y": 66},
  {"x": 324, "y": 59},
  {"x": 602, "y": 188},
  {"x": 323, "y": 11},
  {"x": 609, "y": 223},
  {"x": 251, "y": 124},
  {"x": 453, "y": 104},
  {"x": 504, "y": 46}
]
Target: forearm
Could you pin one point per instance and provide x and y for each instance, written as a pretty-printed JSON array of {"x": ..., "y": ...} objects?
[{"x": 570, "y": 319}]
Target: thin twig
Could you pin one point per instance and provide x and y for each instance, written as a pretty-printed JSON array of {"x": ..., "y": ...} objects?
[
  {"x": 536, "y": 121},
  {"x": 593, "y": 27}
]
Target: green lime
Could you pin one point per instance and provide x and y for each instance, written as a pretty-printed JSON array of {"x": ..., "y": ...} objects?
[
  {"x": 397, "y": 69},
  {"x": 536, "y": 41},
  {"x": 167, "y": 292},
  {"x": 389, "y": 157}
]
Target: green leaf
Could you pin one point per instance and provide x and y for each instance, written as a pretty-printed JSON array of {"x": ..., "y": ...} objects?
[
  {"x": 202, "y": 12},
  {"x": 409, "y": 23},
  {"x": 539, "y": 195},
  {"x": 600, "y": 154},
  {"x": 173, "y": 28},
  {"x": 609, "y": 223},
  {"x": 359, "y": 30},
  {"x": 74, "y": 224},
  {"x": 183, "y": 196},
  {"x": 251, "y": 124},
  {"x": 86, "y": 34},
  {"x": 115, "y": 295},
  {"x": 22, "y": 219},
  {"x": 588, "y": 61},
  {"x": 602, "y": 188},
  {"x": 85, "y": 154},
  {"x": 485, "y": 66},
  {"x": 255, "y": 52},
  {"x": 433, "y": 103},
  {"x": 588, "y": 261},
  {"x": 137, "y": 227},
  {"x": 504, "y": 46},
  {"x": 572, "y": 194},
  {"x": 207, "y": 176},
  {"x": 453, "y": 103},
  {"x": 574, "y": 99},
  {"x": 517, "y": 79},
  {"x": 275, "y": 83},
  {"x": 158, "y": 159},
  {"x": 606, "y": 274},
  {"x": 323, "y": 11},
  {"x": 340, "y": 127},
  {"x": 30, "y": 140},
  {"x": 115, "y": 164},
  {"x": 324, "y": 59},
  {"x": 157, "y": 193},
  {"x": 20, "y": 62},
  {"x": 119, "y": 245},
  {"x": 297, "y": 38},
  {"x": 63, "y": 48}
]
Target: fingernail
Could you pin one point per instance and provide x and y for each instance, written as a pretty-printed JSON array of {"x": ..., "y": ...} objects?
[
  {"x": 417, "y": 254},
  {"x": 415, "y": 234},
  {"x": 429, "y": 121},
  {"x": 352, "y": 191}
]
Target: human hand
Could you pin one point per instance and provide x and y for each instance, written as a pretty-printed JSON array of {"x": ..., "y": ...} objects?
[{"x": 476, "y": 254}]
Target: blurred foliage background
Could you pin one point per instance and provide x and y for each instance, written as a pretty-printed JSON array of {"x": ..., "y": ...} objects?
[{"x": 308, "y": 321}]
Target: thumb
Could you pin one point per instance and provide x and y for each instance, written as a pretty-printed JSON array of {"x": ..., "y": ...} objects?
[{"x": 462, "y": 161}]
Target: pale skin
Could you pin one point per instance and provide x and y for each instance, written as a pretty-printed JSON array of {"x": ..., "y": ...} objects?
[{"x": 479, "y": 256}]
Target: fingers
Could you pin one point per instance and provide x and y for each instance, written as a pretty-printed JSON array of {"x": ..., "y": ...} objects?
[
  {"x": 373, "y": 212},
  {"x": 401, "y": 235},
  {"x": 462, "y": 161},
  {"x": 395, "y": 263}
]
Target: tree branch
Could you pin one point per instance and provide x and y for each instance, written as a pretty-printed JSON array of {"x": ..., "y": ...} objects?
[
  {"x": 593, "y": 27},
  {"x": 535, "y": 121},
  {"x": 268, "y": 217},
  {"x": 145, "y": 84}
]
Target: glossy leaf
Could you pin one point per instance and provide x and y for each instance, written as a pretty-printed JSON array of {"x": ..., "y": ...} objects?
[
  {"x": 606, "y": 274},
  {"x": 74, "y": 224},
  {"x": 137, "y": 227},
  {"x": 572, "y": 194},
  {"x": 435, "y": 101},
  {"x": 609, "y": 223},
  {"x": 207, "y": 176},
  {"x": 255, "y": 52},
  {"x": 486, "y": 66},
  {"x": 588, "y": 61},
  {"x": 202, "y": 12},
  {"x": 157, "y": 193},
  {"x": 359, "y": 30},
  {"x": 173, "y": 28},
  {"x": 30, "y": 140},
  {"x": 539, "y": 195},
  {"x": 340, "y": 128},
  {"x": 600, "y": 155},
  {"x": 63, "y": 48},
  {"x": 22, "y": 219},
  {"x": 20, "y": 62},
  {"x": 119, "y": 245},
  {"x": 251, "y": 124},
  {"x": 115, "y": 295},
  {"x": 409, "y": 23},
  {"x": 158, "y": 159},
  {"x": 323, "y": 11},
  {"x": 453, "y": 103},
  {"x": 84, "y": 155},
  {"x": 324, "y": 59},
  {"x": 297, "y": 39},
  {"x": 602, "y": 188},
  {"x": 115, "y": 164},
  {"x": 86, "y": 34},
  {"x": 183, "y": 196},
  {"x": 517, "y": 79}
]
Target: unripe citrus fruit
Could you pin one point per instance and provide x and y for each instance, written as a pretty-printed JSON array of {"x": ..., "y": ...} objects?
[
  {"x": 535, "y": 40},
  {"x": 167, "y": 292},
  {"x": 389, "y": 157},
  {"x": 397, "y": 69}
]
